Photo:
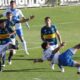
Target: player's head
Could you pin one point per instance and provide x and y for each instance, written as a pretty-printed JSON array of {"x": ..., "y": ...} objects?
[
  {"x": 9, "y": 15},
  {"x": 13, "y": 4},
  {"x": 2, "y": 23},
  {"x": 48, "y": 21},
  {"x": 45, "y": 45}
]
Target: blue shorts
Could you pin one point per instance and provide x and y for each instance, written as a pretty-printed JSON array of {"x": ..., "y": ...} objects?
[
  {"x": 65, "y": 59},
  {"x": 19, "y": 32}
]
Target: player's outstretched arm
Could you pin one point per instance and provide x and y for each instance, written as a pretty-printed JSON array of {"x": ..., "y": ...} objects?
[
  {"x": 58, "y": 48},
  {"x": 25, "y": 20}
]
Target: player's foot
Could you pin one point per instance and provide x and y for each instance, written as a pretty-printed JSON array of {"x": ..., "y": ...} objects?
[
  {"x": 1, "y": 70},
  {"x": 10, "y": 62},
  {"x": 78, "y": 72},
  {"x": 25, "y": 47},
  {"x": 52, "y": 66},
  {"x": 62, "y": 70},
  {"x": 3, "y": 65},
  {"x": 26, "y": 52}
]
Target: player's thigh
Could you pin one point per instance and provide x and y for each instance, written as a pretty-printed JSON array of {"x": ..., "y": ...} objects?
[{"x": 19, "y": 32}]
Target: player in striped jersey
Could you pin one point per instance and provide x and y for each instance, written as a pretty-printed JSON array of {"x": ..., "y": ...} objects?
[
  {"x": 5, "y": 41},
  {"x": 50, "y": 34},
  {"x": 17, "y": 14},
  {"x": 10, "y": 25}
]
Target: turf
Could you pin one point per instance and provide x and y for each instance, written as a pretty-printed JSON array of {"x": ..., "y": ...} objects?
[{"x": 67, "y": 20}]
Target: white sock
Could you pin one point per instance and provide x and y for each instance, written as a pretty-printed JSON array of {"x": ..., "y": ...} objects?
[
  {"x": 62, "y": 69},
  {"x": 52, "y": 66},
  {"x": 27, "y": 25},
  {"x": 25, "y": 47},
  {"x": 78, "y": 69}
]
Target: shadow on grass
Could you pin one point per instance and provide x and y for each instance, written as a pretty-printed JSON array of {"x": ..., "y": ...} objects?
[
  {"x": 31, "y": 70},
  {"x": 29, "y": 59}
]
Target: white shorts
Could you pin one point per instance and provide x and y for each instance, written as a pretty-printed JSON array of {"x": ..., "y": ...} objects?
[
  {"x": 53, "y": 46},
  {"x": 3, "y": 48},
  {"x": 13, "y": 41}
]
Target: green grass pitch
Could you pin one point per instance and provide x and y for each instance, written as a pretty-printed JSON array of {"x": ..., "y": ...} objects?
[{"x": 67, "y": 20}]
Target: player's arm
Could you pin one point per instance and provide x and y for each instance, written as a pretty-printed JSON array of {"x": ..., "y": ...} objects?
[
  {"x": 59, "y": 36},
  {"x": 24, "y": 20},
  {"x": 38, "y": 60},
  {"x": 3, "y": 36},
  {"x": 58, "y": 48},
  {"x": 42, "y": 37}
]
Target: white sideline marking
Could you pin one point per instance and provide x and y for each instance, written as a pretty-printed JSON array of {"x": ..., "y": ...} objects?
[
  {"x": 36, "y": 78},
  {"x": 30, "y": 48}
]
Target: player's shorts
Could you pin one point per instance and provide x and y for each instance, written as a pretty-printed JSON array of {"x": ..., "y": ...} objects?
[
  {"x": 19, "y": 32},
  {"x": 3, "y": 48},
  {"x": 53, "y": 46},
  {"x": 65, "y": 59},
  {"x": 13, "y": 41}
]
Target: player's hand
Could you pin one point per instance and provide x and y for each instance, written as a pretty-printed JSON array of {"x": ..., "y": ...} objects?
[
  {"x": 62, "y": 44},
  {"x": 32, "y": 17}
]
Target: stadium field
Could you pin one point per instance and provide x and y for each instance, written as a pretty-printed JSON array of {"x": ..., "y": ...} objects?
[{"x": 67, "y": 20}]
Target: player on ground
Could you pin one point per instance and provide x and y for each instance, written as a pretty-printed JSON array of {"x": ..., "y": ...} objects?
[
  {"x": 17, "y": 14},
  {"x": 64, "y": 59},
  {"x": 10, "y": 24},
  {"x": 5, "y": 41},
  {"x": 50, "y": 34}
]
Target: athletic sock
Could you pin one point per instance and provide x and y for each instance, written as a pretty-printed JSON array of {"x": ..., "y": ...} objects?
[
  {"x": 10, "y": 56},
  {"x": 25, "y": 47},
  {"x": 27, "y": 25},
  {"x": 78, "y": 69}
]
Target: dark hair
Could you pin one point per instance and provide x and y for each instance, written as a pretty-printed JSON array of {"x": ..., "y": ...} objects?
[
  {"x": 12, "y": 1},
  {"x": 2, "y": 20},
  {"x": 44, "y": 45},
  {"x": 46, "y": 18},
  {"x": 8, "y": 13}
]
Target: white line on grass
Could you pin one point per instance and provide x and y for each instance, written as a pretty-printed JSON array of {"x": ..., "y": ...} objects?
[
  {"x": 36, "y": 78},
  {"x": 31, "y": 48}
]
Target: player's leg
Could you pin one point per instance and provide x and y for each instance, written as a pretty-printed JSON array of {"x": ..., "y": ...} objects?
[
  {"x": 14, "y": 43},
  {"x": 0, "y": 63},
  {"x": 77, "y": 64},
  {"x": 20, "y": 35},
  {"x": 52, "y": 46},
  {"x": 10, "y": 57},
  {"x": 27, "y": 25},
  {"x": 3, "y": 58},
  {"x": 61, "y": 68}
]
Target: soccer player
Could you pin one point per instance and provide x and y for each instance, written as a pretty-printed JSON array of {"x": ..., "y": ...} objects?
[
  {"x": 64, "y": 59},
  {"x": 10, "y": 23},
  {"x": 50, "y": 34},
  {"x": 5, "y": 41},
  {"x": 17, "y": 14}
]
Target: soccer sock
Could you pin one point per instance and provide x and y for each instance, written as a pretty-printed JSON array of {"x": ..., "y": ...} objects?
[
  {"x": 10, "y": 56},
  {"x": 25, "y": 47},
  {"x": 27, "y": 25},
  {"x": 78, "y": 69},
  {"x": 3, "y": 59}
]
